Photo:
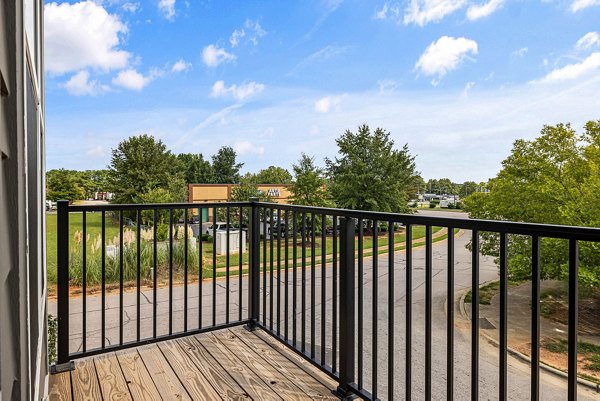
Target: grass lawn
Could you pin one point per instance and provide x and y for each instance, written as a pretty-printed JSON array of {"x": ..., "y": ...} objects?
[{"x": 94, "y": 227}]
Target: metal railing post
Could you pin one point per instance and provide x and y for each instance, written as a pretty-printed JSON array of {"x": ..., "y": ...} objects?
[
  {"x": 62, "y": 218},
  {"x": 254, "y": 266},
  {"x": 347, "y": 312}
]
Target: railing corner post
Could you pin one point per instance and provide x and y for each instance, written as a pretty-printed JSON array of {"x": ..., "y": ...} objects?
[
  {"x": 62, "y": 219},
  {"x": 254, "y": 266},
  {"x": 347, "y": 309}
]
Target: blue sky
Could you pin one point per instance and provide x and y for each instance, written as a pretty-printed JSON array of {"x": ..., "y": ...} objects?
[{"x": 457, "y": 80}]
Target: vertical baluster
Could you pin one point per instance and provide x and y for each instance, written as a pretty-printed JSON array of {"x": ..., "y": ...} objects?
[
  {"x": 450, "y": 319},
  {"x": 360, "y": 302},
  {"x": 391, "y": 268},
  {"x": 121, "y": 252},
  {"x": 313, "y": 262},
  {"x": 294, "y": 275},
  {"x": 227, "y": 261},
  {"x": 334, "y": 295},
  {"x": 170, "y": 271},
  {"x": 271, "y": 232},
  {"x": 241, "y": 262},
  {"x": 103, "y": 296},
  {"x": 323, "y": 286},
  {"x": 303, "y": 279},
  {"x": 155, "y": 268},
  {"x": 375, "y": 353},
  {"x": 503, "y": 373},
  {"x": 214, "y": 269},
  {"x": 84, "y": 285},
  {"x": 286, "y": 267},
  {"x": 185, "y": 269},
  {"x": 475, "y": 316},
  {"x": 138, "y": 275},
  {"x": 408, "y": 357},
  {"x": 573, "y": 311},
  {"x": 62, "y": 307},
  {"x": 279, "y": 233},
  {"x": 200, "y": 267},
  {"x": 264, "y": 254},
  {"x": 535, "y": 318},
  {"x": 428, "y": 307}
]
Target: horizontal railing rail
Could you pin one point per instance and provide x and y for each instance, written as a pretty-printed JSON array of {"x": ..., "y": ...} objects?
[{"x": 336, "y": 286}]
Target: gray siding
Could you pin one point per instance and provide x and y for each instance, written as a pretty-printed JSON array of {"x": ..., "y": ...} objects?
[{"x": 23, "y": 359}]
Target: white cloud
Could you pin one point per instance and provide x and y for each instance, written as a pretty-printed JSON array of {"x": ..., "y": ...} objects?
[
  {"x": 478, "y": 11},
  {"x": 131, "y": 7},
  {"x": 467, "y": 89},
  {"x": 82, "y": 35},
  {"x": 80, "y": 85},
  {"x": 181, "y": 65},
  {"x": 587, "y": 41},
  {"x": 445, "y": 55},
  {"x": 326, "y": 53},
  {"x": 235, "y": 37},
  {"x": 573, "y": 71},
  {"x": 325, "y": 104},
  {"x": 252, "y": 31},
  {"x": 520, "y": 52},
  {"x": 579, "y": 5},
  {"x": 245, "y": 147},
  {"x": 213, "y": 55},
  {"x": 131, "y": 79},
  {"x": 387, "y": 86},
  {"x": 421, "y": 12},
  {"x": 239, "y": 92},
  {"x": 388, "y": 11},
  {"x": 167, "y": 8}
]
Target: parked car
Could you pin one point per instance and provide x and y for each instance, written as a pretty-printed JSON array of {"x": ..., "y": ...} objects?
[{"x": 220, "y": 226}]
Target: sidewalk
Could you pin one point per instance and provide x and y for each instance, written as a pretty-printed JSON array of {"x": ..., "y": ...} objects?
[{"x": 519, "y": 327}]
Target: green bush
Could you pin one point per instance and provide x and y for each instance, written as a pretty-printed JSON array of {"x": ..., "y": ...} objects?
[
  {"x": 432, "y": 205},
  {"x": 207, "y": 238},
  {"x": 52, "y": 337}
]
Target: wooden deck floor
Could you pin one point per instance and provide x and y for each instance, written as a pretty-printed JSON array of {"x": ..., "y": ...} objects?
[{"x": 229, "y": 364}]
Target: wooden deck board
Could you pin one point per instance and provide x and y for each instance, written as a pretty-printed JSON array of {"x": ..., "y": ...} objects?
[
  {"x": 253, "y": 385},
  {"x": 138, "y": 378},
  {"x": 85, "y": 381},
  {"x": 59, "y": 387},
  {"x": 285, "y": 366},
  {"x": 112, "y": 383},
  {"x": 164, "y": 377},
  {"x": 231, "y": 364}
]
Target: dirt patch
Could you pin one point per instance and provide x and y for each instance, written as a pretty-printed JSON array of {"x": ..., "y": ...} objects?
[{"x": 554, "y": 306}]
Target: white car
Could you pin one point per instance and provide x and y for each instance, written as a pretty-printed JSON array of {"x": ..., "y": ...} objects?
[{"x": 220, "y": 226}]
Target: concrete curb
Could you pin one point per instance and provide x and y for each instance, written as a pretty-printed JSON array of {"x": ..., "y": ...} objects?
[{"x": 522, "y": 357}]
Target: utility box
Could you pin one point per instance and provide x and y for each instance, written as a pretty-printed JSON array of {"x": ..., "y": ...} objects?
[{"x": 234, "y": 241}]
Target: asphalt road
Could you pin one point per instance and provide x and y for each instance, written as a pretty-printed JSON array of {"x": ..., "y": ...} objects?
[{"x": 551, "y": 387}]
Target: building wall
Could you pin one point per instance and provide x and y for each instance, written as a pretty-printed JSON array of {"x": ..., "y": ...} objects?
[
  {"x": 23, "y": 350},
  {"x": 199, "y": 193}
]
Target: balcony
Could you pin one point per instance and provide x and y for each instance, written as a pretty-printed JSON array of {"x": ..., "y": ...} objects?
[{"x": 327, "y": 302}]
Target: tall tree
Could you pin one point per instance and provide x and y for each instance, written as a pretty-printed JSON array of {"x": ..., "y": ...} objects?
[
  {"x": 248, "y": 188},
  {"x": 63, "y": 184},
  {"x": 553, "y": 179},
  {"x": 225, "y": 166},
  {"x": 308, "y": 187},
  {"x": 196, "y": 169},
  {"x": 370, "y": 174},
  {"x": 141, "y": 164},
  {"x": 274, "y": 175}
]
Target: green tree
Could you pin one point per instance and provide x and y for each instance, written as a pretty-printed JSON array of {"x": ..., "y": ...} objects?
[
  {"x": 467, "y": 188},
  {"x": 141, "y": 164},
  {"x": 370, "y": 174},
  {"x": 308, "y": 187},
  {"x": 553, "y": 179},
  {"x": 248, "y": 188},
  {"x": 63, "y": 184},
  {"x": 226, "y": 168},
  {"x": 196, "y": 169},
  {"x": 274, "y": 175}
]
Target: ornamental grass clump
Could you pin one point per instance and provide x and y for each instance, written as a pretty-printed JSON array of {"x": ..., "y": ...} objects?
[{"x": 129, "y": 256}]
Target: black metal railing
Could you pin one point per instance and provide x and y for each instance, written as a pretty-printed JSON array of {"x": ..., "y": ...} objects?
[{"x": 326, "y": 282}]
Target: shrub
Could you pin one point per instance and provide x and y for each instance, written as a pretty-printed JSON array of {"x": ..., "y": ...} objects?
[
  {"x": 52, "y": 337},
  {"x": 432, "y": 205},
  {"x": 207, "y": 238}
]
